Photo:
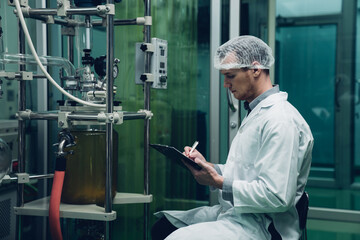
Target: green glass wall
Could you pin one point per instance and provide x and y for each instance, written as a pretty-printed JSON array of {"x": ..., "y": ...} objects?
[
  {"x": 317, "y": 57},
  {"x": 181, "y": 112}
]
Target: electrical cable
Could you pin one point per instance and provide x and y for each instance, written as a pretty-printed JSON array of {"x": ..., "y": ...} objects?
[{"x": 33, "y": 51}]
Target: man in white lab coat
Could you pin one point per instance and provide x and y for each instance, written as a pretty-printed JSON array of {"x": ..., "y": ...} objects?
[{"x": 267, "y": 166}]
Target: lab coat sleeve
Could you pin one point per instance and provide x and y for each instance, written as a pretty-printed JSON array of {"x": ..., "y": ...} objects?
[
  {"x": 273, "y": 189},
  {"x": 219, "y": 168}
]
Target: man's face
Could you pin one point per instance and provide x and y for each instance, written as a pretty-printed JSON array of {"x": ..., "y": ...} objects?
[{"x": 241, "y": 83}]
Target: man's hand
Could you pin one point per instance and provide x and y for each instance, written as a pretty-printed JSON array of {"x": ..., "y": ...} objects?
[{"x": 207, "y": 175}]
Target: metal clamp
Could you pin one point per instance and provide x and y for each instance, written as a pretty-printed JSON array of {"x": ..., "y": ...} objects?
[
  {"x": 147, "y": 77},
  {"x": 23, "y": 177},
  {"x": 23, "y": 115},
  {"x": 147, "y": 47},
  {"x": 62, "y": 7},
  {"x": 26, "y": 75},
  {"x": 115, "y": 117},
  {"x": 148, "y": 113},
  {"x": 140, "y": 20},
  {"x": 62, "y": 119},
  {"x": 107, "y": 9},
  {"x": 148, "y": 21},
  {"x": 13, "y": 75},
  {"x": 7, "y": 75}
]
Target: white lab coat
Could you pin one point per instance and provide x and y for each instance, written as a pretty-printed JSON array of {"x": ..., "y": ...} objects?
[{"x": 269, "y": 160}]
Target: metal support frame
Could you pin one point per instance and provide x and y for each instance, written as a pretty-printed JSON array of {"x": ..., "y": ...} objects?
[
  {"x": 147, "y": 39},
  {"x": 145, "y": 114},
  {"x": 109, "y": 110},
  {"x": 21, "y": 132}
]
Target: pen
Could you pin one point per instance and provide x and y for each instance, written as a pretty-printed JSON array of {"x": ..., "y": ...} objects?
[{"x": 193, "y": 147}]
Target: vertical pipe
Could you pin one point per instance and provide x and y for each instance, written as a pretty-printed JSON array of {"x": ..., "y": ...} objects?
[
  {"x": 70, "y": 43},
  {"x": 234, "y": 31},
  {"x": 109, "y": 109},
  {"x": 215, "y": 34},
  {"x": 147, "y": 39},
  {"x": 21, "y": 132},
  {"x": 42, "y": 129},
  {"x": 109, "y": 104},
  {"x": 272, "y": 31}
]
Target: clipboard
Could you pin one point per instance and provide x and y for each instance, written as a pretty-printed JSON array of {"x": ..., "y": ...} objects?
[{"x": 175, "y": 155}]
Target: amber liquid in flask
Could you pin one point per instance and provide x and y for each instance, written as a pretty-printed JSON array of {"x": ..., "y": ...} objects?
[{"x": 84, "y": 181}]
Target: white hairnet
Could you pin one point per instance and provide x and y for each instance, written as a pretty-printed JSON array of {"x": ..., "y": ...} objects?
[{"x": 241, "y": 52}]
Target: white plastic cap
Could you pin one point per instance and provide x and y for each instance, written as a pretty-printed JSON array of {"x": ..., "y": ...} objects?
[{"x": 242, "y": 52}]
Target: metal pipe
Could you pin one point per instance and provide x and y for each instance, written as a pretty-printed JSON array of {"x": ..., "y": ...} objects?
[
  {"x": 21, "y": 132},
  {"x": 109, "y": 109},
  {"x": 83, "y": 11},
  {"x": 39, "y": 116},
  {"x": 147, "y": 37},
  {"x": 53, "y": 11},
  {"x": 39, "y": 11},
  {"x": 133, "y": 116},
  {"x": 19, "y": 75},
  {"x": 59, "y": 21},
  {"x": 71, "y": 48},
  {"x": 83, "y": 117},
  {"x": 120, "y": 22},
  {"x": 41, "y": 176}
]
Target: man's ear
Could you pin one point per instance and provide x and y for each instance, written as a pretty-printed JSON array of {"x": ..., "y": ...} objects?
[{"x": 256, "y": 71}]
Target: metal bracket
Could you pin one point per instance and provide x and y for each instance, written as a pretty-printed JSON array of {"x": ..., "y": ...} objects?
[
  {"x": 12, "y": 75},
  {"x": 140, "y": 20},
  {"x": 115, "y": 117},
  {"x": 62, "y": 7},
  {"x": 23, "y": 177},
  {"x": 147, "y": 47},
  {"x": 50, "y": 20},
  {"x": 62, "y": 119},
  {"x": 8, "y": 75},
  {"x": 148, "y": 113},
  {"x": 26, "y": 75},
  {"x": 148, "y": 21},
  {"x": 23, "y": 115},
  {"x": 147, "y": 77},
  {"x": 107, "y": 9}
]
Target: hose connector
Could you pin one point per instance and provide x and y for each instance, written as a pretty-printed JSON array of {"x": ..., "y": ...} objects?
[{"x": 66, "y": 139}]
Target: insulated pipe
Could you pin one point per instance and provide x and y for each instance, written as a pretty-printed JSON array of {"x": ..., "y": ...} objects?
[{"x": 147, "y": 37}]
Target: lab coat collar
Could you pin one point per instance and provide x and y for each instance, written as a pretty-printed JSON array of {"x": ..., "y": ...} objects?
[{"x": 267, "y": 102}]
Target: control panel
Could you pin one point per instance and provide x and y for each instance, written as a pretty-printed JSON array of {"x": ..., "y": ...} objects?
[{"x": 158, "y": 75}]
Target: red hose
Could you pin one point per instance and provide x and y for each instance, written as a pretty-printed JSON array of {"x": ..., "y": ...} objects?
[{"x": 54, "y": 206}]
